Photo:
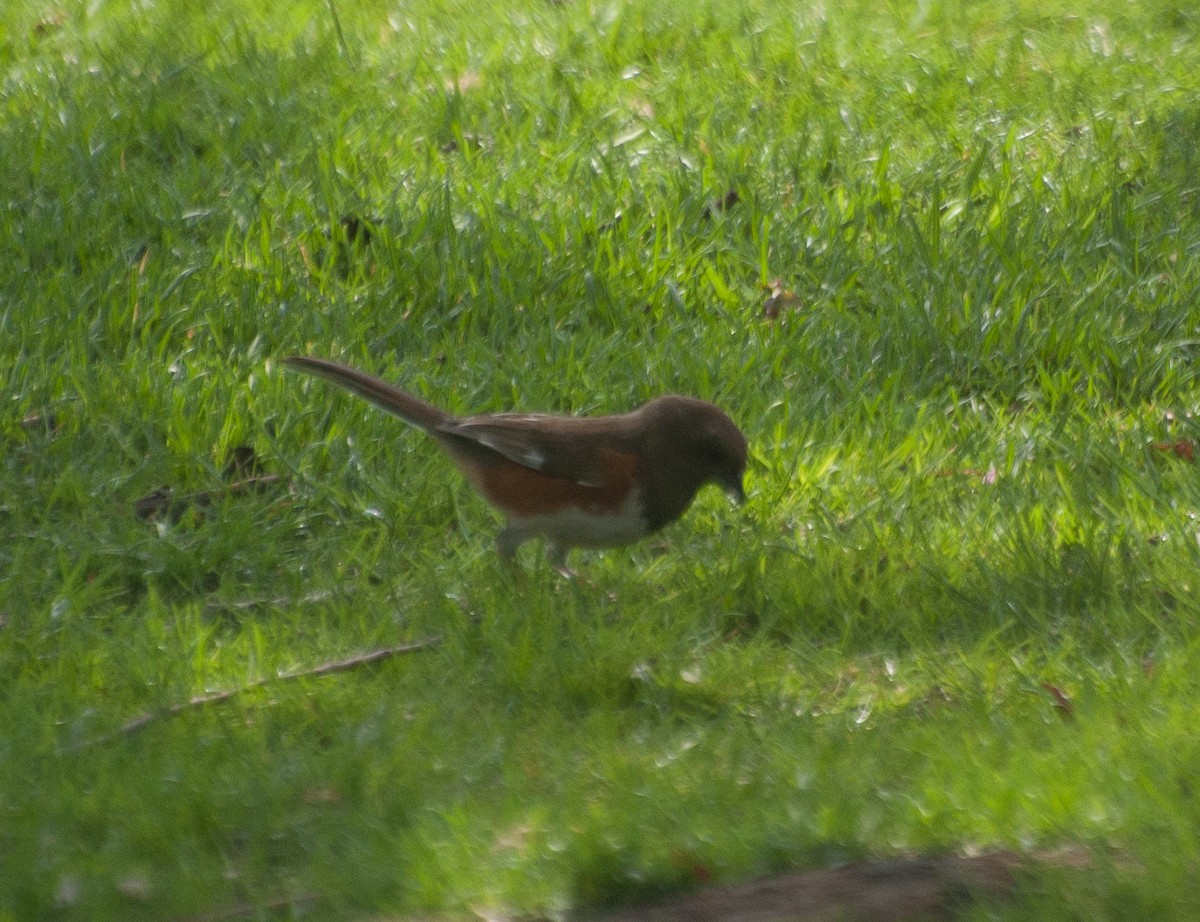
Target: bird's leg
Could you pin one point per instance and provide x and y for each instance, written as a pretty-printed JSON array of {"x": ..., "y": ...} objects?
[
  {"x": 511, "y": 537},
  {"x": 556, "y": 555},
  {"x": 508, "y": 539}
]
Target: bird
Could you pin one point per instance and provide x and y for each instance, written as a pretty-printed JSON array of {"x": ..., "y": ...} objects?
[{"x": 574, "y": 481}]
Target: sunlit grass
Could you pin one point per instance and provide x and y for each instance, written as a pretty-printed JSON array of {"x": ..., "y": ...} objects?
[{"x": 971, "y": 414}]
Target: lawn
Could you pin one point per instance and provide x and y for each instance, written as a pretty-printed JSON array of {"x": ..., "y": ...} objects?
[{"x": 941, "y": 263}]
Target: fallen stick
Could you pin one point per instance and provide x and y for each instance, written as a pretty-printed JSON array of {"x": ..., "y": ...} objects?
[{"x": 342, "y": 665}]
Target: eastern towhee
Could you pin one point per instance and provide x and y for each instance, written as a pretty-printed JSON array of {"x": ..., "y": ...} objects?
[{"x": 598, "y": 481}]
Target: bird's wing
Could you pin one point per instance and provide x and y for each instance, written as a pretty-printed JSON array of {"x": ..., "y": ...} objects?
[{"x": 569, "y": 449}]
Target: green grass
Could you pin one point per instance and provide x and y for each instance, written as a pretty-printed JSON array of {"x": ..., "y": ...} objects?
[{"x": 989, "y": 217}]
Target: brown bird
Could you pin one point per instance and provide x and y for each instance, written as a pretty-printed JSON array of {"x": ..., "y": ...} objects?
[{"x": 596, "y": 481}]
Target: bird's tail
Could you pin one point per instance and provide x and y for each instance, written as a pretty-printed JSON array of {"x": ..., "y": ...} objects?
[{"x": 412, "y": 410}]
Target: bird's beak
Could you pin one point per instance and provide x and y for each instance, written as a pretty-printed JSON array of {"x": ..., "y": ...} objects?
[{"x": 736, "y": 491}]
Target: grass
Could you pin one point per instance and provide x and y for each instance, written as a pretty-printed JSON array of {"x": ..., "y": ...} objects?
[{"x": 970, "y": 425}]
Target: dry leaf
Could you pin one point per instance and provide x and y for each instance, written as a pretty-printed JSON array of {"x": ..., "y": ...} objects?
[
  {"x": 780, "y": 300},
  {"x": 724, "y": 203},
  {"x": 1061, "y": 702},
  {"x": 1184, "y": 448}
]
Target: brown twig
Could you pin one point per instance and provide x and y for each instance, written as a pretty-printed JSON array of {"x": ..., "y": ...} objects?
[{"x": 342, "y": 665}]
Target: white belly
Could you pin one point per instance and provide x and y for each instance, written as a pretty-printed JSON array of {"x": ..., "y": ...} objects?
[{"x": 579, "y": 528}]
